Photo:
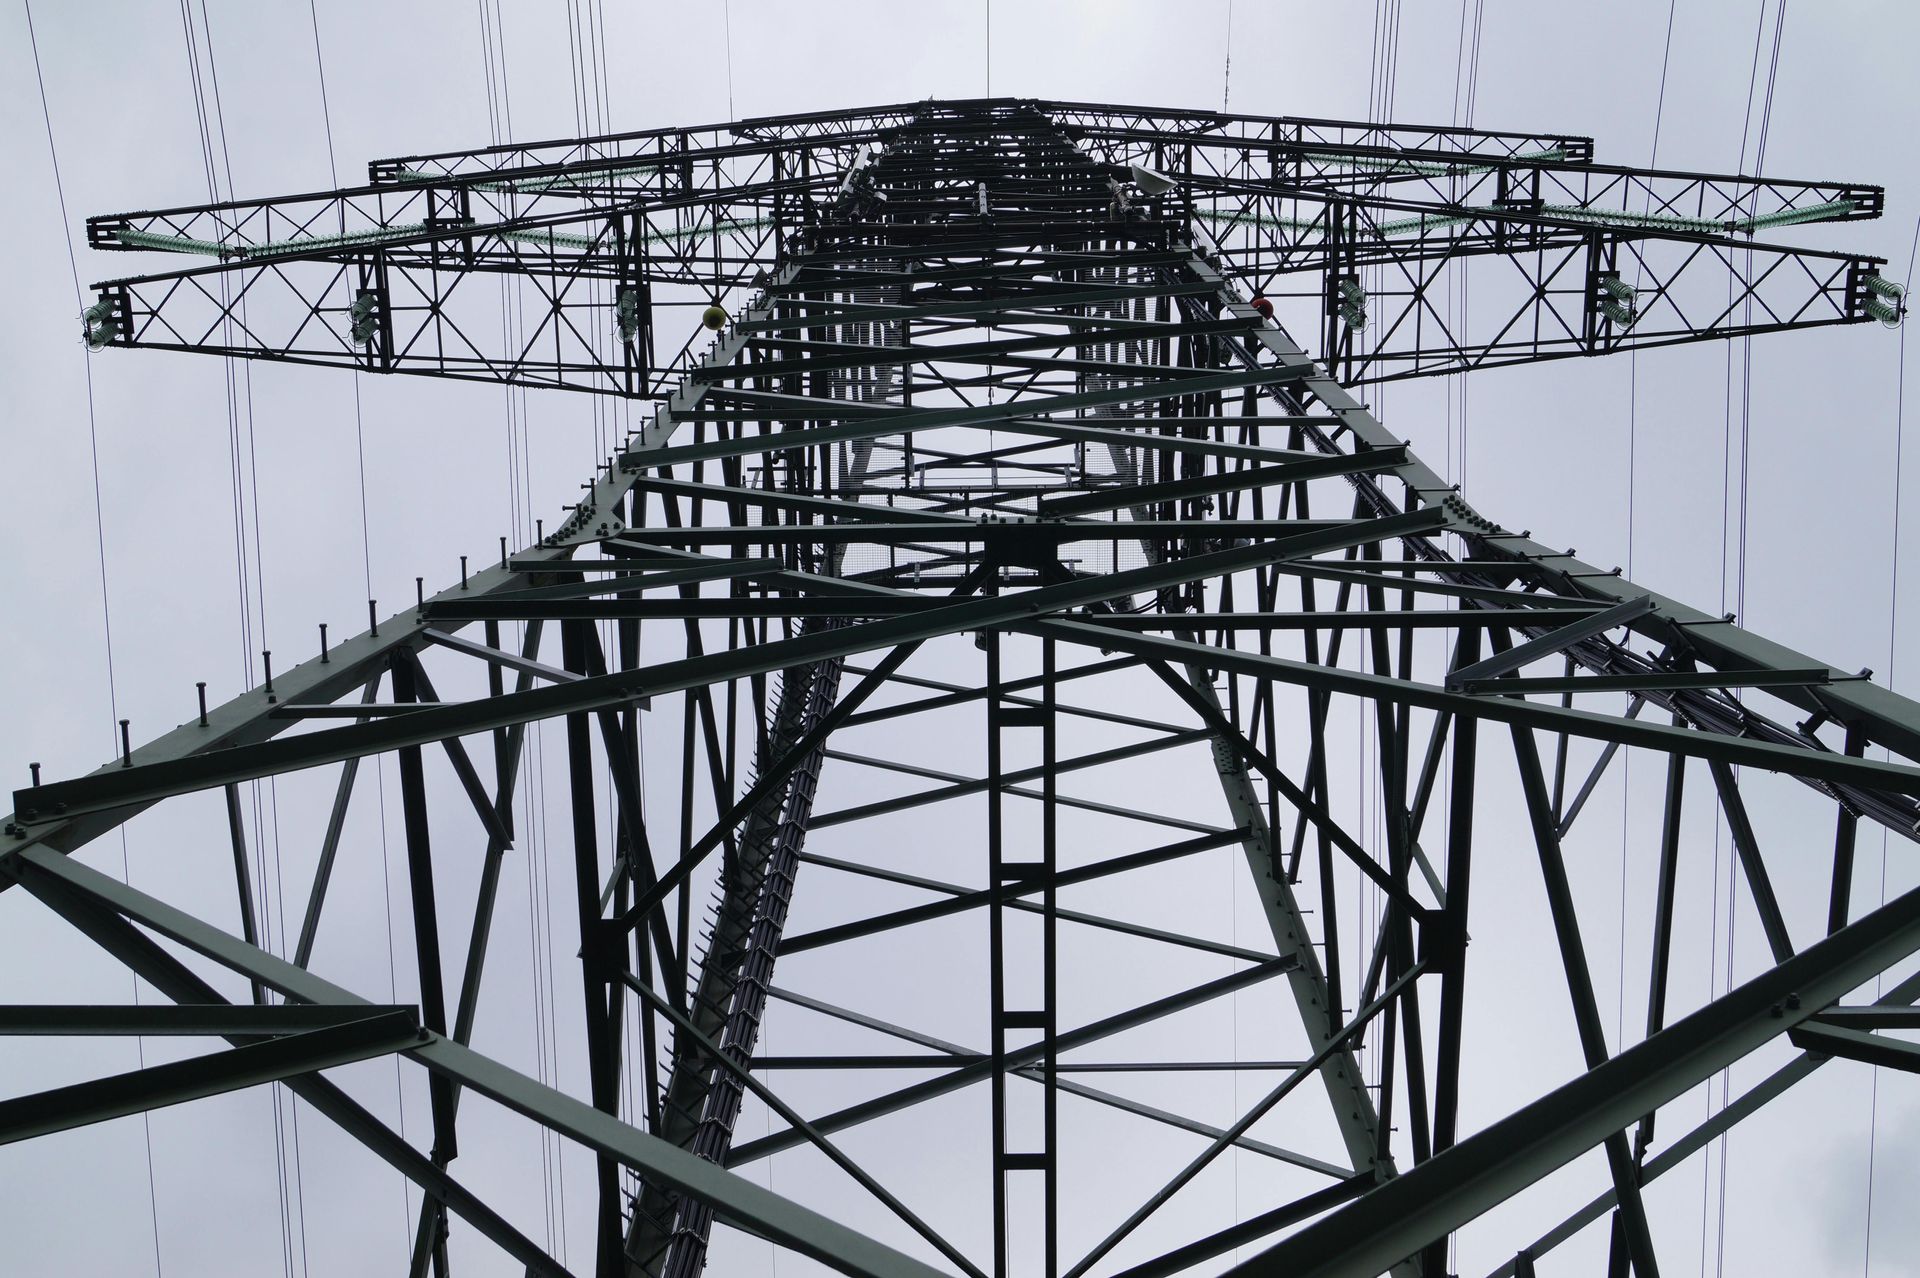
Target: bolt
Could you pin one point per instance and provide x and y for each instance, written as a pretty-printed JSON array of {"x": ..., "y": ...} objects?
[
  {"x": 266, "y": 664},
  {"x": 34, "y": 768},
  {"x": 373, "y": 618},
  {"x": 420, "y": 592},
  {"x": 126, "y": 745},
  {"x": 324, "y": 659},
  {"x": 203, "y": 702},
  {"x": 463, "y": 572},
  {"x": 503, "y": 552}
]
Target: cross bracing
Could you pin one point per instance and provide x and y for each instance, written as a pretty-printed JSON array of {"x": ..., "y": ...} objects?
[{"x": 996, "y": 522}]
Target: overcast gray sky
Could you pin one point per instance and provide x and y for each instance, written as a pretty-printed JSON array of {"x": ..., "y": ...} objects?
[{"x": 1544, "y": 448}]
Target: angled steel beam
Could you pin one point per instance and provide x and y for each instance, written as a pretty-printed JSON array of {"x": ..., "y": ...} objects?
[
  {"x": 329, "y": 848},
  {"x": 167, "y": 974},
  {"x": 1895, "y": 1007},
  {"x": 956, "y": 1079},
  {"x": 1586, "y": 1009},
  {"x": 1252, "y": 1229},
  {"x": 204, "y": 1020},
  {"x": 1557, "y": 640},
  {"x": 874, "y": 425},
  {"x": 1680, "y": 681},
  {"x": 1747, "y": 844},
  {"x": 145, "y": 783},
  {"x": 792, "y": 1118},
  {"x": 970, "y": 900},
  {"x": 1201, "y": 943},
  {"x": 1812, "y": 764},
  {"x": 426, "y": 915},
  {"x": 1225, "y": 481},
  {"x": 157, "y": 1086},
  {"x": 958, "y": 787},
  {"x": 1885, "y": 1014},
  {"x": 1399, "y": 1217},
  {"x": 1335, "y": 1045},
  {"x": 767, "y": 1214},
  {"x": 1856, "y": 1045}
]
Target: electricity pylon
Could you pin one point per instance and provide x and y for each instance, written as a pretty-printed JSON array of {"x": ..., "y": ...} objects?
[{"x": 976, "y": 522}]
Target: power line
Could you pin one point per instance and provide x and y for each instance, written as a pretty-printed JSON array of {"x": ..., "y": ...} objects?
[
  {"x": 1633, "y": 476},
  {"x": 1226, "y": 79},
  {"x": 100, "y": 547},
  {"x": 1893, "y": 657}
]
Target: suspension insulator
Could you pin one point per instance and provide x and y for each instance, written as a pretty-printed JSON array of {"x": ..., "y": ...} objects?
[
  {"x": 1621, "y": 313},
  {"x": 1888, "y": 302},
  {"x": 363, "y": 317},
  {"x": 1883, "y": 286},
  {"x": 1886, "y": 312},
  {"x": 102, "y": 325},
  {"x": 626, "y": 314}
]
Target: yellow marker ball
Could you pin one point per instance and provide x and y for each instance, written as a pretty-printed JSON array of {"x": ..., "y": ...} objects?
[{"x": 714, "y": 318}]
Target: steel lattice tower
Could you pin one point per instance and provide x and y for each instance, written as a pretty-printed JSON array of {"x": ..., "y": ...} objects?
[{"x": 1010, "y": 449}]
